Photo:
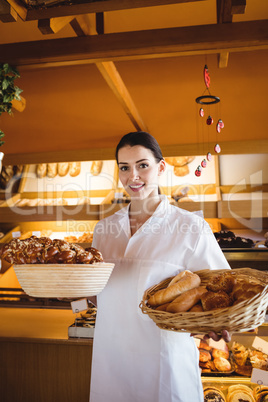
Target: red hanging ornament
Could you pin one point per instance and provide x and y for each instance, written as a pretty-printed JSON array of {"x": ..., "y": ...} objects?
[
  {"x": 209, "y": 120},
  {"x": 219, "y": 125},
  {"x": 198, "y": 171},
  {"x": 206, "y": 76},
  {"x": 217, "y": 148},
  {"x": 209, "y": 157},
  {"x": 201, "y": 112},
  {"x": 204, "y": 163}
]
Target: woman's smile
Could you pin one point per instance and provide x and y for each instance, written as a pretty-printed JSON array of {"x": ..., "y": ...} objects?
[{"x": 136, "y": 187}]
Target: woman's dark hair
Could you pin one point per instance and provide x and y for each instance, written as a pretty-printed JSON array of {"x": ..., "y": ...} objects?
[{"x": 142, "y": 138}]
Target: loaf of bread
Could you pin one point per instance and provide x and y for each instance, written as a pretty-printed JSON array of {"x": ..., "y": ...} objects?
[
  {"x": 74, "y": 168},
  {"x": 213, "y": 394},
  {"x": 182, "y": 282},
  {"x": 245, "y": 290},
  {"x": 179, "y": 160},
  {"x": 63, "y": 168},
  {"x": 220, "y": 353},
  {"x": 52, "y": 170},
  {"x": 240, "y": 392},
  {"x": 222, "y": 364},
  {"x": 197, "y": 308},
  {"x": 181, "y": 170},
  {"x": 213, "y": 300},
  {"x": 41, "y": 170},
  {"x": 186, "y": 300},
  {"x": 204, "y": 355},
  {"x": 224, "y": 281},
  {"x": 96, "y": 167},
  {"x": 162, "y": 307}
]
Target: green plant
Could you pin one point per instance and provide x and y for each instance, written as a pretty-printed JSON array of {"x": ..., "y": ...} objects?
[{"x": 8, "y": 90}]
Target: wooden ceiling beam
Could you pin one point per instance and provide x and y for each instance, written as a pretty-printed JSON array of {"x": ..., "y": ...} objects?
[
  {"x": 84, "y": 25},
  {"x": 96, "y": 7},
  {"x": 227, "y": 8},
  {"x": 7, "y": 13},
  {"x": 239, "y": 6},
  {"x": 225, "y": 11},
  {"x": 111, "y": 76},
  {"x": 92, "y": 153},
  {"x": 19, "y": 8},
  {"x": 169, "y": 42},
  {"x": 223, "y": 59},
  {"x": 53, "y": 25}
]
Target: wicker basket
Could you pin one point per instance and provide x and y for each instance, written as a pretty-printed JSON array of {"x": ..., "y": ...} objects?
[
  {"x": 63, "y": 280},
  {"x": 241, "y": 317}
]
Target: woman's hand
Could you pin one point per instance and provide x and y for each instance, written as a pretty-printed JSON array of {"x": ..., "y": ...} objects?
[{"x": 225, "y": 335}]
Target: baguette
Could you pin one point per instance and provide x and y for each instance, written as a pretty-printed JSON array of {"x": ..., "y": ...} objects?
[
  {"x": 186, "y": 281},
  {"x": 52, "y": 170},
  {"x": 63, "y": 168},
  {"x": 96, "y": 167},
  {"x": 186, "y": 300},
  {"x": 41, "y": 170},
  {"x": 74, "y": 168}
]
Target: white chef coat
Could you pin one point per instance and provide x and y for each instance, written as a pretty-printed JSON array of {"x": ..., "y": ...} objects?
[{"x": 134, "y": 360}]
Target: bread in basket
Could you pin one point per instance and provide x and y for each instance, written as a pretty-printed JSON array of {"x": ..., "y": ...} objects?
[
  {"x": 244, "y": 316},
  {"x": 57, "y": 268}
]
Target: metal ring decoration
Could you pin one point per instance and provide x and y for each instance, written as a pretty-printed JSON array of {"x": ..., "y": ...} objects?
[{"x": 211, "y": 99}]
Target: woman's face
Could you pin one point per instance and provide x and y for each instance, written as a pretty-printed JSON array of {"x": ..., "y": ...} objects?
[{"x": 139, "y": 171}]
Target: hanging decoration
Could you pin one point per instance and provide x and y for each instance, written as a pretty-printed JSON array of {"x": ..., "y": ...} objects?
[{"x": 205, "y": 101}]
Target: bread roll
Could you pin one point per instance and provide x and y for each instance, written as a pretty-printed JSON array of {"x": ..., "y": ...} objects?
[
  {"x": 186, "y": 300},
  {"x": 74, "y": 168},
  {"x": 220, "y": 353},
  {"x": 41, "y": 170},
  {"x": 197, "y": 308},
  {"x": 204, "y": 345},
  {"x": 96, "y": 167},
  {"x": 52, "y": 170},
  {"x": 224, "y": 281},
  {"x": 204, "y": 355},
  {"x": 186, "y": 282},
  {"x": 63, "y": 168},
  {"x": 222, "y": 364},
  {"x": 181, "y": 170},
  {"x": 245, "y": 290},
  {"x": 179, "y": 161},
  {"x": 213, "y": 394},
  {"x": 213, "y": 300}
]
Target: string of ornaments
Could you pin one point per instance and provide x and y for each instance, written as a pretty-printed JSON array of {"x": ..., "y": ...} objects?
[{"x": 208, "y": 99}]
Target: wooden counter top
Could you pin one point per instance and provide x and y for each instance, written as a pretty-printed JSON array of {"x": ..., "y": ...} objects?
[{"x": 38, "y": 325}]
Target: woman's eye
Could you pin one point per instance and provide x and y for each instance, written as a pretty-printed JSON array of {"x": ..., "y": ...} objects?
[
  {"x": 143, "y": 165},
  {"x": 123, "y": 168}
]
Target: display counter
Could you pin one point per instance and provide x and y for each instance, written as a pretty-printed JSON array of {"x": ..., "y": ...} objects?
[{"x": 38, "y": 361}]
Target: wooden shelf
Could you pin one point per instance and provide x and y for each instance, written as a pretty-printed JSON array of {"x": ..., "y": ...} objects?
[
  {"x": 49, "y": 213},
  {"x": 243, "y": 208},
  {"x": 211, "y": 209}
]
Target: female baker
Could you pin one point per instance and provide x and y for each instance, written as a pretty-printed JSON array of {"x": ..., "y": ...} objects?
[{"x": 149, "y": 240}]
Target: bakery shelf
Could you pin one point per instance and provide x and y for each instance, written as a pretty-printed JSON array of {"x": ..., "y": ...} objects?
[
  {"x": 243, "y": 208},
  {"x": 49, "y": 213}
]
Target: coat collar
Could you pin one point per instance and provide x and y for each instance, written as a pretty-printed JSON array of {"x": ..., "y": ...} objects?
[{"x": 160, "y": 212}]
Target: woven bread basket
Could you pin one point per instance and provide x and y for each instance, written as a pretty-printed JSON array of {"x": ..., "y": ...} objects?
[
  {"x": 63, "y": 280},
  {"x": 244, "y": 316}
]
